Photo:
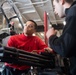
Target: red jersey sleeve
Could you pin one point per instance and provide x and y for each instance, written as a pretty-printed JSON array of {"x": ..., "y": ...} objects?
[
  {"x": 11, "y": 42},
  {"x": 41, "y": 45}
]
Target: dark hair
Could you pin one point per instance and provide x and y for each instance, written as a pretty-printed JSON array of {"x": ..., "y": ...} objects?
[
  {"x": 68, "y": 1},
  {"x": 34, "y": 23}
]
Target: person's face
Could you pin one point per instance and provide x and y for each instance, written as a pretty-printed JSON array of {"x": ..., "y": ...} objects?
[
  {"x": 58, "y": 8},
  {"x": 29, "y": 28}
]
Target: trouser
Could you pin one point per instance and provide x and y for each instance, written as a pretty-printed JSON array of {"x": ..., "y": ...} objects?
[{"x": 11, "y": 71}]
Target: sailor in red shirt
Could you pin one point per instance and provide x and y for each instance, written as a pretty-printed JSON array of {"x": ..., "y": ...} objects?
[{"x": 25, "y": 41}]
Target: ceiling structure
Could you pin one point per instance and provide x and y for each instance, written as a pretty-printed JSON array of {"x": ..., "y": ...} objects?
[
  {"x": 23, "y": 10},
  {"x": 34, "y": 9}
]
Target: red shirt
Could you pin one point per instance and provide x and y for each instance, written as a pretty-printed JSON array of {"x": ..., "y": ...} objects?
[{"x": 27, "y": 43}]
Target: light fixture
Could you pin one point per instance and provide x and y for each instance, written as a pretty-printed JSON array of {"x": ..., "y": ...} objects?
[{"x": 64, "y": 23}]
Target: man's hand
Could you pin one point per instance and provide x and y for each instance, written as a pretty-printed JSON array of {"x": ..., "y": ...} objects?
[
  {"x": 34, "y": 52},
  {"x": 51, "y": 32},
  {"x": 48, "y": 49}
]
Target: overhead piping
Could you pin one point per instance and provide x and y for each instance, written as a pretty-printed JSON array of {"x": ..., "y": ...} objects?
[
  {"x": 45, "y": 26},
  {"x": 32, "y": 3}
]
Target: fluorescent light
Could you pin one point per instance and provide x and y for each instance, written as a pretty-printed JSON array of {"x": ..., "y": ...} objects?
[{"x": 64, "y": 22}]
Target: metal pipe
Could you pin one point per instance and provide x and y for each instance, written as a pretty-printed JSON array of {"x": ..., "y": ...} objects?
[
  {"x": 17, "y": 56},
  {"x": 13, "y": 59},
  {"x": 31, "y": 3},
  {"x": 45, "y": 26},
  {"x": 24, "y": 56},
  {"x": 24, "y": 52}
]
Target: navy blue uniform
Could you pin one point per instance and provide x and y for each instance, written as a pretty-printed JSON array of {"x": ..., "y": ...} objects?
[{"x": 65, "y": 45}]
